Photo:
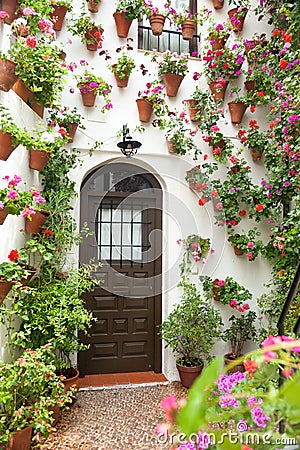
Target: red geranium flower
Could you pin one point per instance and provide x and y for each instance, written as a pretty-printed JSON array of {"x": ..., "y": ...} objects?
[
  {"x": 14, "y": 254},
  {"x": 48, "y": 232},
  {"x": 259, "y": 207},
  {"x": 283, "y": 63}
]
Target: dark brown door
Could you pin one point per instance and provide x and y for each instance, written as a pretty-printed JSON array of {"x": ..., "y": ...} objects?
[{"x": 122, "y": 205}]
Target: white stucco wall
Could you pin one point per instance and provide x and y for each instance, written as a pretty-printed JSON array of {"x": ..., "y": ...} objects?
[{"x": 181, "y": 213}]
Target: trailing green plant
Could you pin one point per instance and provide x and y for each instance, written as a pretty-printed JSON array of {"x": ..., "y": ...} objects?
[
  {"x": 125, "y": 64},
  {"x": 196, "y": 248},
  {"x": 247, "y": 242},
  {"x": 82, "y": 25},
  {"x": 11, "y": 271},
  {"x": 189, "y": 338},
  {"x": 133, "y": 9}
]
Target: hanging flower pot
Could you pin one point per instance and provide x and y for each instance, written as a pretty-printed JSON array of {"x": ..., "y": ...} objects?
[
  {"x": 122, "y": 24},
  {"x": 218, "y": 90},
  {"x": 256, "y": 153},
  {"x": 7, "y": 74},
  {"x": 172, "y": 82},
  {"x": 58, "y": 16},
  {"x": 237, "y": 18},
  {"x": 93, "y": 38},
  {"x": 188, "y": 29},
  {"x": 32, "y": 273},
  {"x": 237, "y": 111},
  {"x": 6, "y": 145},
  {"x": 218, "y": 43},
  {"x": 72, "y": 128},
  {"x": 157, "y": 22},
  {"x": 38, "y": 159},
  {"x": 10, "y": 7},
  {"x": 3, "y": 214},
  {"x": 193, "y": 109},
  {"x": 250, "y": 85},
  {"x": 5, "y": 287},
  {"x": 237, "y": 251},
  {"x": 218, "y": 4},
  {"x": 216, "y": 290},
  {"x": 121, "y": 82},
  {"x": 145, "y": 109},
  {"x": 28, "y": 97},
  {"x": 88, "y": 95},
  {"x": 37, "y": 221},
  {"x": 93, "y": 6},
  {"x": 21, "y": 440},
  {"x": 171, "y": 147}
]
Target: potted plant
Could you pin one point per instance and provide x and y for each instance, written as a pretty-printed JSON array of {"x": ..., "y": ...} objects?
[
  {"x": 237, "y": 105},
  {"x": 126, "y": 12},
  {"x": 222, "y": 145},
  {"x": 60, "y": 9},
  {"x": 93, "y": 5},
  {"x": 246, "y": 243},
  {"x": 89, "y": 31},
  {"x": 255, "y": 139},
  {"x": 69, "y": 119},
  {"x": 151, "y": 99},
  {"x": 199, "y": 102},
  {"x": 228, "y": 292},
  {"x": 196, "y": 248},
  {"x": 241, "y": 330},
  {"x": 189, "y": 338},
  {"x": 187, "y": 21},
  {"x": 8, "y": 75},
  {"x": 172, "y": 68},
  {"x": 90, "y": 85},
  {"x": 218, "y": 34},
  {"x": 29, "y": 388},
  {"x": 10, "y": 272},
  {"x": 157, "y": 16},
  {"x": 237, "y": 14},
  {"x": 199, "y": 182},
  {"x": 123, "y": 67}
]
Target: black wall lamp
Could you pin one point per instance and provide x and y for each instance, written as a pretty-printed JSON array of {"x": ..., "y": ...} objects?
[{"x": 128, "y": 146}]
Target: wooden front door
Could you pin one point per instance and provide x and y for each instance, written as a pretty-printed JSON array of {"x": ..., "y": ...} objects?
[{"x": 122, "y": 205}]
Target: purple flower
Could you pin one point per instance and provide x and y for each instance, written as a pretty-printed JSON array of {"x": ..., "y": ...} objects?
[
  {"x": 259, "y": 417},
  {"x": 228, "y": 400},
  {"x": 293, "y": 118},
  {"x": 93, "y": 84},
  {"x": 286, "y": 184}
]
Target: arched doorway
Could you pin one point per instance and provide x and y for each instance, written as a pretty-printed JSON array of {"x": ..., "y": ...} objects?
[{"x": 122, "y": 205}]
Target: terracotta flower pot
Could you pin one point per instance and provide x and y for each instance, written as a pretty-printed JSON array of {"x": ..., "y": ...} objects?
[
  {"x": 7, "y": 74},
  {"x": 237, "y": 111},
  {"x": 188, "y": 374},
  {"x": 218, "y": 4},
  {"x": 34, "y": 225},
  {"x": 6, "y": 145},
  {"x": 38, "y": 159},
  {"x": 121, "y": 82},
  {"x": 72, "y": 381},
  {"x": 58, "y": 16},
  {"x": 171, "y": 147},
  {"x": 228, "y": 359},
  {"x": 216, "y": 290},
  {"x": 5, "y": 287},
  {"x": 188, "y": 29},
  {"x": 256, "y": 153},
  {"x": 20, "y": 440},
  {"x": 93, "y": 37},
  {"x": 145, "y": 109},
  {"x": 88, "y": 98},
  {"x": 157, "y": 24},
  {"x": 10, "y": 7},
  {"x": 218, "y": 43},
  {"x": 237, "y": 251},
  {"x": 28, "y": 97},
  {"x": 237, "y": 19},
  {"x": 218, "y": 92},
  {"x": 193, "y": 110},
  {"x": 71, "y": 130},
  {"x": 249, "y": 85},
  {"x": 122, "y": 24},
  {"x": 32, "y": 273},
  {"x": 55, "y": 415},
  {"x": 93, "y": 6},
  {"x": 3, "y": 214},
  {"x": 172, "y": 82}
]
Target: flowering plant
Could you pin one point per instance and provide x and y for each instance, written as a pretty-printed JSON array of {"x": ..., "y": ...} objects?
[
  {"x": 35, "y": 252},
  {"x": 89, "y": 82},
  {"x": 125, "y": 64},
  {"x": 169, "y": 62},
  {"x": 132, "y": 8},
  {"x": 228, "y": 291},
  {"x": 63, "y": 117},
  {"x": 188, "y": 337},
  {"x": 16, "y": 202},
  {"x": 11, "y": 271},
  {"x": 196, "y": 249},
  {"x": 200, "y": 16},
  {"x": 246, "y": 243},
  {"x": 244, "y": 407},
  {"x": 199, "y": 181},
  {"x": 218, "y": 31},
  {"x": 150, "y": 10},
  {"x": 222, "y": 146},
  {"x": 241, "y": 330},
  {"x": 82, "y": 26},
  {"x": 155, "y": 94},
  {"x": 225, "y": 63},
  {"x": 252, "y": 137}
]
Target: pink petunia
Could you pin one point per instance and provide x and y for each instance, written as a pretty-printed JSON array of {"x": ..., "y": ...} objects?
[{"x": 31, "y": 41}]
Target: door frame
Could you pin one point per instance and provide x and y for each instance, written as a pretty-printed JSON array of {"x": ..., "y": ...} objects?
[{"x": 157, "y": 299}]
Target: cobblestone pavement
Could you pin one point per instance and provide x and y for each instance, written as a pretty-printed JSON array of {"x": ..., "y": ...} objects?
[{"x": 112, "y": 419}]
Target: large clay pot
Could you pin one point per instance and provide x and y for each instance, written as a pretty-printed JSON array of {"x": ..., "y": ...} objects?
[
  {"x": 20, "y": 440},
  {"x": 93, "y": 37},
  {"x": 34, "y": 225},
  {"x": 3, "y": 214},
  {"x": 188, "y": 374},
  {"x": 237, "y": 19},
  {"x": 218, "y": 92},
  {"x": 6, "y": 145},
  {"x": 72, "y": 381},
  {"x": 93, "y": 6},
  {"x": 122, "y": 24},
  {"x": 157, "y": 24},
  {"x": 145, "y": 109},
  {"x": 28, "y": 97},
  {"x": 55, "y": 415},
  {"x": 58, "y": 16},
  {"x": 38, "y": 159},
  {"x": 218, "y": 4},
  {"x": 228, "y": 359},
  {"x": 7, "y": 74},
  {"x": 172, "y": 82},
  {"x": 188, "y": 29},
  {"x": 5, "y": 287},
  {"x": 10, "y": 7},
  {"x": 237, "y": 111}
]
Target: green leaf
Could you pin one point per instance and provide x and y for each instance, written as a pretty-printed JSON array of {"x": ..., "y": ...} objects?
[{"x": 192, "y": 416}]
